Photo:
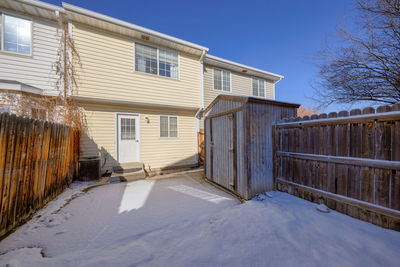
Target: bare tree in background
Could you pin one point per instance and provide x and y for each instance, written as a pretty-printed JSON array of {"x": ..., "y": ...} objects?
[
  {"x": 367, "y": 66},
  {"x": 307, "y": 111}
]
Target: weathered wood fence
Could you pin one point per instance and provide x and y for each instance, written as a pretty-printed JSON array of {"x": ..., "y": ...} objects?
[
  {"x": 201, "y": 145},
  {"x": 350, "y": 162},
  {"x": 38, "y": 160}
]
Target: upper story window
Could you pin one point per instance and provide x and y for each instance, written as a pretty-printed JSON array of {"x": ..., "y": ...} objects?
[
  {"x": 156, "y": 61},
  {"x": 222, "y": 80},
  {"x": 258, "y": 87},
  {"x": 15, "y": 34}
]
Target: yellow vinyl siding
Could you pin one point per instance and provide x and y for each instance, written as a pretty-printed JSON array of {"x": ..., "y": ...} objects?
[
  {"x": 99, "y": 135},
  {"x": 107, "y": 71},
  {"x": 241, "y": 85}
]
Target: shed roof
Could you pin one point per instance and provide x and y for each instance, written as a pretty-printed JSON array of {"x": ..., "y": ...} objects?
[{"x": 251, "y": 99}]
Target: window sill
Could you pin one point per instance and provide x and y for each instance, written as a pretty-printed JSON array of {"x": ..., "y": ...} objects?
[
  {"x": 230, "y": 91},
  {"x": 15, "y": 54},
  {"x": 155, "y": 76}
]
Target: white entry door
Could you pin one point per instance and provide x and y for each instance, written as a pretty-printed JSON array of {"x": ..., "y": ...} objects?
[{"x": 128, "y": 138}]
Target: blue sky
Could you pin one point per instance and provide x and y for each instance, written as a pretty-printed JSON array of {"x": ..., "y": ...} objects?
[{"x": 279, "y": 36}]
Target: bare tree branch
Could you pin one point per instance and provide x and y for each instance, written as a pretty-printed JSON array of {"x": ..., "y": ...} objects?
[{"x": 367, "y": 65}]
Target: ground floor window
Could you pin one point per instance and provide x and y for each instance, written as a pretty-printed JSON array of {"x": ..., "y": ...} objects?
[
  {"x": 168, "y": 126},
  {"x": 5, "y": 108},
  {"x": 39, "y": 114}
]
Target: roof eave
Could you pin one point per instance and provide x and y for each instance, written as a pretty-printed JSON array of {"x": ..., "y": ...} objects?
[
  {"x": 108, "y": 19},
  {"x": 40, "y": 4},
  {"x": 270, "y": 75},
  {"x": 239, "y": 98}
]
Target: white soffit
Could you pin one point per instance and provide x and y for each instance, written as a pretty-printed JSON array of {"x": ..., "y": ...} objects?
[
  {"x": 237, "y": 67},
  {"x": 32, "y": 8}
]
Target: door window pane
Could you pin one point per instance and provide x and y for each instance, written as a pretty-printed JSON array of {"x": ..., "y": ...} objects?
[{"x": 128, "y": 129}]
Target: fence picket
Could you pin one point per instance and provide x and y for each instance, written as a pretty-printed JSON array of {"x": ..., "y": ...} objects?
[
  {"x": 369, "y": 139},
  {"x": 37, "y": 161}
]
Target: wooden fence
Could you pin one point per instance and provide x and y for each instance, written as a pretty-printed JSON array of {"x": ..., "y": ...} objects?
[
  {"x": 38, "y": 160},
  {"x": 201, "y": 145},
  {"x": 350, "y": 162}
]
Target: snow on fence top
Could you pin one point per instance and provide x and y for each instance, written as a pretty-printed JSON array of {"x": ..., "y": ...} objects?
[
  {"x": 382, "y": 113},
  {"x": 348, "y": 160}
]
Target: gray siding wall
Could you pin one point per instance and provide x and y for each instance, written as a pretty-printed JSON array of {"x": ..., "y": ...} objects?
[
  {"x": 35, "y": 70},
  {"x": 260, "y": 144},
  {"x": 254, "y": 146},
  {"x": 222, "y": 131},
  {"x": 241, "y": 154}
]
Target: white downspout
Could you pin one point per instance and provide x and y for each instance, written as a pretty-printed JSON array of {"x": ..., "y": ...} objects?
[
  {"x": 273, "y": 92},
  {"x": 201, "y": 79},
  {"x": 201, "y": 70}
]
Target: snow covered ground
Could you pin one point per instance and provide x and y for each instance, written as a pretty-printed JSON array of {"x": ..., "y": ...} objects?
[{"x": 185, "y": 222}]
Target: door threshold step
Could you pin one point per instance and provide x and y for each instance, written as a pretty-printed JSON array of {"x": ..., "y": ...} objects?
[
  {"x": 128, "y": 176},
  {"x": 128, "y": 167}
]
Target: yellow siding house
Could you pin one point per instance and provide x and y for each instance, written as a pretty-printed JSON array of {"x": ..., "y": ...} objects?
[{"x": 139, "y": 91}]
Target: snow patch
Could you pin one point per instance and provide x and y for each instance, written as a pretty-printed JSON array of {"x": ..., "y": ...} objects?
[
  {"x": 183, "y": 222},
  {"x": 52, "y": 214},
  {"x": 264, "y": 196},
  {"x": 191, "y": 191},
  {"x": 323, "y": 208}
]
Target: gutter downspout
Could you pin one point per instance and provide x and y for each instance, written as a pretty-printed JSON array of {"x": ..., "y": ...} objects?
[
  {"x": 199, "y": 112},
  {"x": 274, "y": 87}
]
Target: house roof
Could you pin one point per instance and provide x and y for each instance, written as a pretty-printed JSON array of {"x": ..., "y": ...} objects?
[
  {"x": 95, "y": 19},
  {"x": 251, "y": 99},
  {"x": 88, "y": 17},
  {"x": 33, "y": 7},
  {"x": 230, "y": 65}
]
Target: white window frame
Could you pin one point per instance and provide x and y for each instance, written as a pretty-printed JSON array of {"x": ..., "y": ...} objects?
[
  {"x": 258, "y": 84},
  {"x": 2, "y": 13},
  {"x": 159, "y": 126},
  {"x": 158, "y": 60},
  {"x": 222, "y": 81},
  {"x": 5, "y": 108}
]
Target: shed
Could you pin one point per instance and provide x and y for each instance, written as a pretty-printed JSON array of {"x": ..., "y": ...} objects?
[{"x": 239, "y": 142}]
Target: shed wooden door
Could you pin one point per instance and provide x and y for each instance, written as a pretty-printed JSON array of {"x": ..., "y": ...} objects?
[{"x": 223, "y": 151}]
